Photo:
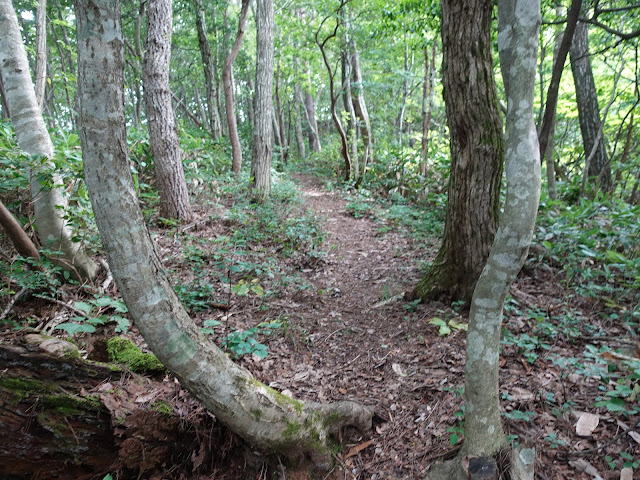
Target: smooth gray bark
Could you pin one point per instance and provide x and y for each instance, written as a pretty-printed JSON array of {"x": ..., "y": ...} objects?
[
  {"x": 263, "y": 127},
  {"x": 518, "y": 26},
  {"x": 163, "y": 136},
  {"x": 40, "y": 73},
  {"x": 265, "y": 418},
  {"x": 49, "y": 202}
]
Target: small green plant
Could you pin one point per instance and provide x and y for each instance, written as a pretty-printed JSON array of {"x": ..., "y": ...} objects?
[
  {"x": 244, "y": 342},
  {"x": 457, "y": 430},
  {"x": 554, "y": 441},
  {"x": 444, "y": 327},
  {"x": 93, "y": 315}
]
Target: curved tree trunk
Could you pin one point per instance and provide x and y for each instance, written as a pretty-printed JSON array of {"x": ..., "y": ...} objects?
[
  {"x": 263, "y": 128},
  {"x": 229, "y": 97},
  {"x": 588, "y": 109},
  {"x": 265, "y": 418},
  {"x": 49, "y": 203},
  {"x": 163, "y": 136},
  {"x": 20, "y": 240},
  {"x": 477, "y": 149},
  {"x": 484, "y": 436}
]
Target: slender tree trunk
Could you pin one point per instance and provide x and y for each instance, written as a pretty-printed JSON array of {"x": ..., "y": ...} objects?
[
  {"x": 265, "y": 418},
  {"x": 344, "y": 148},
  {"x": 229, "y": 97},
  {"x": 209, "y": 71},
  {"x": 3, "y": 97},
  {"x": 359, "y": 103},
  {"x": 348, "y": 106},
  {"x": 405, "y": 92},
  {"x": 556, "y": 75},
  {"x": 20, "y": 240},
  {"x": 263, "y": 128},
  {"x": 477, "y": 149},
  {"x": 65, "y": 76},
  {"x": 302, "y": 153},
  {"x": 310, "y": 110},
  {"x": 427, "y": 103},
  {"x": 251, "y": 111},
  {"x": 49, "y": 202},
  {"x": 163, "y": 136},
  {"x": 203, "y": 121},
  {"x": 40, "y": 73},
  {"x": 284, "y": 145},
  {"x": 548, "y": 153},
  {"x": 484, "y": 436},
  {"x": 588, "y": 109}
]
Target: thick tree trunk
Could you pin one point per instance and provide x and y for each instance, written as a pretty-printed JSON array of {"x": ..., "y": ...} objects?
[
  {"x": 40, "y": 73},
  {"x": 484, "y": 436},
  {"x": 55, "y": 431},
  {"x": 229, "y": 97},
  {"x": 263, "y": 128},
  {"x": 588, "y": 109},
  {"x": 265, "y": 418},
  {"x": 477, "y": 149},
  {"x": 49, "y": 202},
  {"x": 209, "y": 72},
  {"x": 163, "y": 136}
]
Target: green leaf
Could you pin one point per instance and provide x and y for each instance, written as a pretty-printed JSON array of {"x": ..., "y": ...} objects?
[
  {"x": 83, "y": 306},
  {"x": 458, "y": 326},
  {"x": 72, "y": 328},
  {"x": 443, "y": 329},
  {"x": 453, "y": 439},
  {"x": 615, "y": 257},
  {"x": 211, "y": 323}
]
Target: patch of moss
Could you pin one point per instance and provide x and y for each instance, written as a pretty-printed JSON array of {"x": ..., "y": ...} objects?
[
  {"x": 257, "y": 413},
  {"x": 123, "y": 350},
  {"x": 21, "y": 388},
  {"x": 69, "y": 405},
  {"x": 278, "y": 397},
  {"x": 292, "y": 429},
  {"x": 163, "y": 407}
]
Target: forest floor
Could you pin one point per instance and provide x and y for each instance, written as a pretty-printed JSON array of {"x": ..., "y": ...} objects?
[{"x": 347, "y": 333}]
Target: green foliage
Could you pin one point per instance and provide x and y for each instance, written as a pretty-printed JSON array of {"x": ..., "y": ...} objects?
[
  {"x": 93, "y": 316},
  {"x": 244, "y": 342}
]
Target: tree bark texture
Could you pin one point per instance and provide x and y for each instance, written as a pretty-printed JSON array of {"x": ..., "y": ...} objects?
[
  {"x": 302, "y": 152},
  {"x": 229, "y": 97},
  {"x": 518, "y": 27},
  {"x": 40, "y": 73},
  {"x": 265, "y": 418},
  {"x": 53, "y": 432},
  {"x": 477, "y": 149},
  {"x": 588, "y": 109},
  {"x": 49, "y": 202},
  {"x": 263, "y": 128},
  {"x": 163, "y": 136},
  {"x": 209, "y": 71}
]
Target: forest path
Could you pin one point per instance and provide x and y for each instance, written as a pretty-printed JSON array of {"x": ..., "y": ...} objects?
[{"x": 344, "y": 342}]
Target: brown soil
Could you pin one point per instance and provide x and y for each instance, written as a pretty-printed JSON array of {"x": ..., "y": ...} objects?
[{"x": 348, "y": 334}]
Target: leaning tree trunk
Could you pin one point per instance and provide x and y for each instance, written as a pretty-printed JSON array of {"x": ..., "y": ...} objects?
[
  {"x": 229, "y": 97},
  {"x": 20, "y": 240},
  {"x": 477, "y": 149},
  {"x": 265, "y": 418},
  {"x": 263, "y": 128},
  {"x": 49, "y": 203},
  {"x": 518, "y": 44},
  {"x": 588, "y": 109},
  {"x": 163, "y": 136}
]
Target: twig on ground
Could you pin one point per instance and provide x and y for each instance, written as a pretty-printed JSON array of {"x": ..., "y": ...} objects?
[{"x": 12, "y": 302}]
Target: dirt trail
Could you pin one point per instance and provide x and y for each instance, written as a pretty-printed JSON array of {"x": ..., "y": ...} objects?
[{"x": 341, "y": 343}]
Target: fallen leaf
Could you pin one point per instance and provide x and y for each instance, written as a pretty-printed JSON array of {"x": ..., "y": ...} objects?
[
  {"x": 146, "y": 398},
  {"x": 358, "y": 448},
  {"x": 587, "y": 423},
  {"x": 585, "y": 467},
  {"x": 626, "y": 474},
  {"x": 635, "y": 436},
  {"x": 521, "y": 395},
  {"x": 398, "y": 369},
  {"x": 343, "y": 391}
]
